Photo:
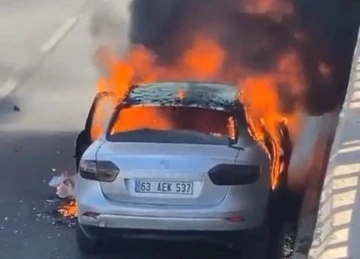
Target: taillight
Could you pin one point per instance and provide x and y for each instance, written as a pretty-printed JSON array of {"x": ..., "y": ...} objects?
[
  {"x": 227, "y": 174},
  {"x": 103, "y": 171}
]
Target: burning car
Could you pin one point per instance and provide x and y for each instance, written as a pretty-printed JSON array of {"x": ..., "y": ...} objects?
[{"x": 176, "y": 160}]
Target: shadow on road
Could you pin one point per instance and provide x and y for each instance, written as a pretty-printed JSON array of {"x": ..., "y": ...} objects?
[{"x": 132, "y": 249}]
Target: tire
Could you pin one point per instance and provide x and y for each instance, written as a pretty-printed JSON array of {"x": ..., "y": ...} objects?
[
  {"x": 254, "y": 244},
  {"x": 263, "y": 242},
  {"x": 86, "y": 245}
]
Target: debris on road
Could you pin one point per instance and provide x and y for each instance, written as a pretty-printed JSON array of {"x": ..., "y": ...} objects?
[
  {"x": 288, "y": 249},
  {"x": 16, "y": 108},
  {"x": 58, "y": 216},
  {"x": 65, "y": 185},
  {"x": 65, "y": 212}
]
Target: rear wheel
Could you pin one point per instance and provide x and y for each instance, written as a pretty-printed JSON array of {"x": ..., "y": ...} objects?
[
  {"x": 266, "y": 241},
  {"x": 276, "y": 216},
  {"x": 86, "y": 245},
  {"x": 278, "y": 203},
  {"x": 254, "y": 243}
]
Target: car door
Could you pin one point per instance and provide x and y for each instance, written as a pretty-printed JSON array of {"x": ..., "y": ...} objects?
[{"x": 86, "y": 136}]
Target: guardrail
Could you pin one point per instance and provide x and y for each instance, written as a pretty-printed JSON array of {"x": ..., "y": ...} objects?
[{"x": 331, "y": 229}]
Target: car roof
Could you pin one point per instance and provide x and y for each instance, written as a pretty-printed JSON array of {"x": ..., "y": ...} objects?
[{"x": 199, "y": 94}]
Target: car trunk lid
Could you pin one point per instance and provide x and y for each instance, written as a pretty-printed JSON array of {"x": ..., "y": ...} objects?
[{"x": 165, "y": 174}]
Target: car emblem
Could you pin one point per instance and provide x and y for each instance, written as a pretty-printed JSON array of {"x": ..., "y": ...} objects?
[{"x": 165, "y": 163}]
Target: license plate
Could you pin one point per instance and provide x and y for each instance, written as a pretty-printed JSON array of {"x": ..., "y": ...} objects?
[{"x": 185, "y": 188}]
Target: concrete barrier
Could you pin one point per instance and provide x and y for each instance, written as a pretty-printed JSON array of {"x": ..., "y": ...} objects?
[
  {"x": 308, "y": 145},
  {"x": 331, "y": 229}
]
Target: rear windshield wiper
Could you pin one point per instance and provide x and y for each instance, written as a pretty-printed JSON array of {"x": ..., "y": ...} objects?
[{"x": 232, "y": 145}]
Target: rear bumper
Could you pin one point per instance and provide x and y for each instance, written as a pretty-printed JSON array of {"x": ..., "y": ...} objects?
[
  {"x": 115, "y": 215},
  {"x": 162, "y": 223},
  {"x": 225, "y": 216},
  {"x": 220, "y": 237}
]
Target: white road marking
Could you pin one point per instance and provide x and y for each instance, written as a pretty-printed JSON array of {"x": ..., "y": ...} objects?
[
  {"x": 15, "y": 80},
  {"x": 59, "y": 33},
  {"x": 8, "y": 87}
]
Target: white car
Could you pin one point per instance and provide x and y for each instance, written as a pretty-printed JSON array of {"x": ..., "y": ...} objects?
[{"x": 170, "y": 166}]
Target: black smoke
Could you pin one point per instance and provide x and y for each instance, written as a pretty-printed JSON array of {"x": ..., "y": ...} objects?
[
  {"x": 320, "y": 30},
  {"x": 332, "y": 26},
  {"x": 167, "y": 27}
]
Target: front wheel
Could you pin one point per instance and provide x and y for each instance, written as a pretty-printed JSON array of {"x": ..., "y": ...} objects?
[{"x": 86, "y": 245}]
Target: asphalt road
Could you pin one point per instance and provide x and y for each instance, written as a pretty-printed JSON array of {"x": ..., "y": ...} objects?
[{"x": 53, "y": 90}]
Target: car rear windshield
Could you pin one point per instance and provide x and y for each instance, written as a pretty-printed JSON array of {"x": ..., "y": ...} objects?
[{"x": 169, "y": 124}]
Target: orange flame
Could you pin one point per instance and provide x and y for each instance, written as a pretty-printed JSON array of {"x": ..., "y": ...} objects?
[
  {"x": 69, "y": 210},
  {"x": 264, "y": 118},
  {"x": 204, "y": 61}
]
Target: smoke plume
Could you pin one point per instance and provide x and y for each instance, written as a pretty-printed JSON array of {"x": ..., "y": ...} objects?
[{"x": 259, "y": 37}]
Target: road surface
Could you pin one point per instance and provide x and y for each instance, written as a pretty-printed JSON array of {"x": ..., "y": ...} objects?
[{"x": 47, "y": 83}]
